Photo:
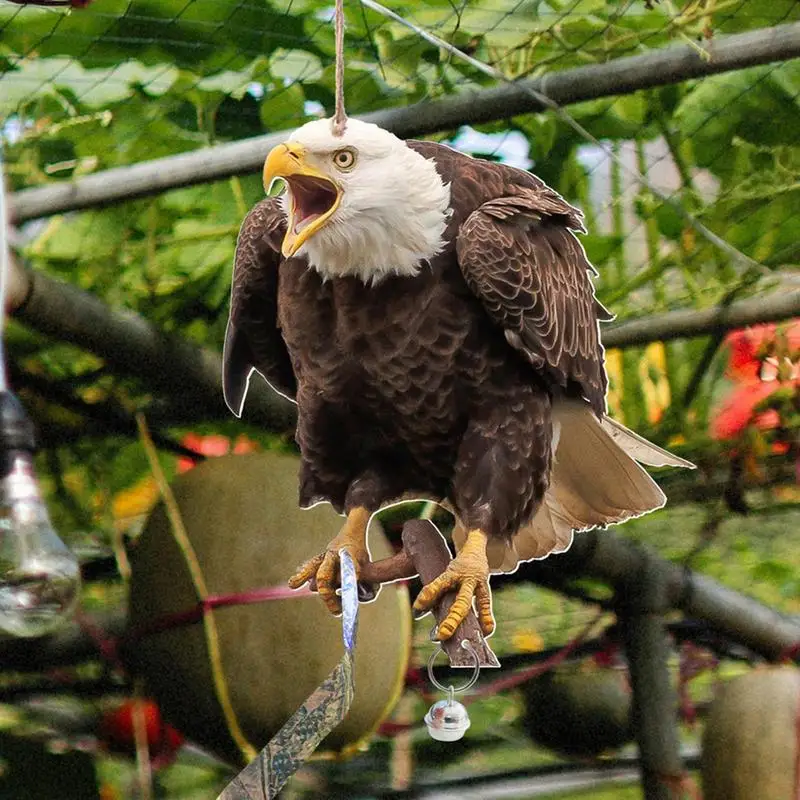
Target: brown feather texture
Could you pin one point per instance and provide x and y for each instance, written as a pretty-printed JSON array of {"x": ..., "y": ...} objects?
[{"x": 476, "y": 378}]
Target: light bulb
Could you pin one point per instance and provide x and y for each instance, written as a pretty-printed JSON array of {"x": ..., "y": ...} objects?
[{"x": 39, "y": 575}]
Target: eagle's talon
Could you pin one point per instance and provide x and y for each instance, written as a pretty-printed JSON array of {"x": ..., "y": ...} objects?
[
  {"x": 322, "y": 572},
  {"x": 307, "y": 573},
  {"x": 468, "y": 573}
]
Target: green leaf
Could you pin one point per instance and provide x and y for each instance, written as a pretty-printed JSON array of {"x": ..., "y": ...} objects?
[
  {"x": 284, "y": 108},
  {"x": 400, "y": 59},
  {"x": 234, "y": 82},
  {"x": 93, "y": 234},
  {"x": 600, "y": 248},
  {"x": 670, "y": 223},
  {"x": 295, "y": 65},
  {"x": 363, "y": 91},
  {"x": 620, "y": 118},
  {"x": 755, "y": 105},
  {"x": 541, "y": 130}
]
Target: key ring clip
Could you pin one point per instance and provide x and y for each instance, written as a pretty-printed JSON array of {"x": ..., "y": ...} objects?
[
  {"x": 447, "y": 720},
  {"x": 451, "y": 690}
]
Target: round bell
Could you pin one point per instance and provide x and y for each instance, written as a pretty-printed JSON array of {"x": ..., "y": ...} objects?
[{"x": 447, "y": 720}]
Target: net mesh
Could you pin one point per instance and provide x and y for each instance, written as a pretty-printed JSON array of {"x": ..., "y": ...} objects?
[
  {"x": 117, "y": 83},
  {"x": 103, "y": 84},
  {"x": 123, "y": 81}
]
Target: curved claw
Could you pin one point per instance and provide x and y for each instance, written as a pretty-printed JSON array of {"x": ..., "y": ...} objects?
[
  {"x": 468, "y": 587},
  {"x": 323, "y": 571},
  {"x": 322, "y": 574},
  {"x": 468, "y": 575},
  {"x": 307, "y": 573}
]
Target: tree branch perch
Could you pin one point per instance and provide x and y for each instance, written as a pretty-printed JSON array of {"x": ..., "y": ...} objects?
[{"x": 426, "y": 554}]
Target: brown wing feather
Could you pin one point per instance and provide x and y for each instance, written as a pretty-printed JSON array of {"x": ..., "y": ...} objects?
[
  {"x": 519, "y": 255},
  {"x": 253, "y": 340}
]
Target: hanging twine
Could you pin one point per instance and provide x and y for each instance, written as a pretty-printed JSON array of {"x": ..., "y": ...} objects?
[
  {"x": 181, "y": 537},
  {"x": 339, "y": 115}
]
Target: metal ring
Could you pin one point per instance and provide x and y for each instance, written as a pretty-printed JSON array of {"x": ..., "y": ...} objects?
[{"x": 450, "y": 690}]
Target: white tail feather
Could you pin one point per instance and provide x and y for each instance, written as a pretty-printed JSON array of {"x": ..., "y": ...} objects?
[
  {"x": 595, "y": 480},
  {"x": 639, "y": 448}
]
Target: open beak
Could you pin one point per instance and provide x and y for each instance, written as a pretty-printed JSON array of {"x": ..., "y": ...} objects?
[{"x": 313, "y": 195}]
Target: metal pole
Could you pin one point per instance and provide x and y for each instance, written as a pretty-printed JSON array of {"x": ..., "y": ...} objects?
[
  {"x": 609, "y": 557},
  {"x": 772, "y": 307},
  {"x": 620, "y": 76},
  {"x": 654, "y": 709},
  {"x": 133, "y": 346}
]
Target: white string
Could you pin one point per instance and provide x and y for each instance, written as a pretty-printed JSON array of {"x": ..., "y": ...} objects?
[
  {"x": 339, "y": 115},
  {"x": 5, "y": 273},
  {"x": 733, "y": 253}
]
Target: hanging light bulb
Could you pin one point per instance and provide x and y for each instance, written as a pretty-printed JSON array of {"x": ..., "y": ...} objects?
[{"x": 39, "y": 575}]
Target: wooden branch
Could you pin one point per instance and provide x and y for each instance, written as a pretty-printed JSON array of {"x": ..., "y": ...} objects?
[
  {"x": 431, "y": 557},
  {"x": 393, "y": 568},
  {"x": 133, "y": 346},
  {"x": 426, "y": 554},
  {"x": 684, "y": 324},
  {"x": 609, "y": 557},
  {"x": 620, "y": 76}
]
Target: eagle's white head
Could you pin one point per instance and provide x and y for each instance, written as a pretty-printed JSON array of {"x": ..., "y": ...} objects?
[{"x": 360, "y": 204}]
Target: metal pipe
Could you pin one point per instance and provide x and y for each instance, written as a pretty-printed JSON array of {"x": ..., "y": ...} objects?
[
  {"x": 644, "y": 602},
  {"x": 609, "y": 557},
  {"x": 620, "y": 76}
]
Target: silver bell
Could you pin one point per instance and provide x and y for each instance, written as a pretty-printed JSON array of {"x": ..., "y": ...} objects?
[{"x": 447, "y": 720}]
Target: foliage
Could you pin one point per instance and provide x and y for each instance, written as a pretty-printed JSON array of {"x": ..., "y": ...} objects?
[
  {"x": 124, "y": 81},
  {"x": 117, "y": 83}
]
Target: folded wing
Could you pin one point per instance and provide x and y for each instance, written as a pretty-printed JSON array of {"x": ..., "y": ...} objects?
[
  {"x": 253, "y": 340},
  {"x": 519, "y": 255}
]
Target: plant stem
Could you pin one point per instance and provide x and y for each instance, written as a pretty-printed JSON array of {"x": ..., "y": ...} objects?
[
  {"x": 617, "y": 214},
  {"x": 651, "y": 230}
]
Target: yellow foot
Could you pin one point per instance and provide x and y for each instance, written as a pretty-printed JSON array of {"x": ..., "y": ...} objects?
[
  {"x": 322, "y": 571},
  {"x": 469, "y": 574}
]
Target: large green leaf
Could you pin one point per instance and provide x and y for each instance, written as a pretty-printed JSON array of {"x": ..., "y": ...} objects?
[
  {"x": 91, "y": 88},
  {"x": 284, "y": 108},
  {"x": 204, "y": 35},
  {"x": 295, "y": 65},
  {"x": 756, "y": 105}
]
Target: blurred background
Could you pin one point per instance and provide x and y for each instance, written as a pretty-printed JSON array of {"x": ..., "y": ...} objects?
[{"x": 131, "y": 152}]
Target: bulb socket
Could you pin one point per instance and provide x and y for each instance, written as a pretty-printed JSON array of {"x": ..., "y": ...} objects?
[
  {"x": 16, "y": 428},
  {"x": 17, "y": 436}
]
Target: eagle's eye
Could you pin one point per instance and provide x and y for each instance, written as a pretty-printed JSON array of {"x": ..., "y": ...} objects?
[{"x": 344, "y": 159}]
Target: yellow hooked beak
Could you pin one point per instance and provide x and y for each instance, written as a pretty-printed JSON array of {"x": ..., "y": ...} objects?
[{"x": 314, "y": 196}]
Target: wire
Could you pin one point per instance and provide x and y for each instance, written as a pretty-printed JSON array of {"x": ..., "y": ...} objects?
[
  {"x": 736, "y": 255},
  {"x": 5, "y": 272}
]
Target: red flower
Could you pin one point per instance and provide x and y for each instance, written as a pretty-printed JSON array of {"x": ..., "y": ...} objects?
[
  {"x": 763, "y": 359},
  {"x": 117, "y": 731},
  {"x": 739, "y": 410},
  {"x": 212, "y": 445},
  {"x": 750, "y": 347}
]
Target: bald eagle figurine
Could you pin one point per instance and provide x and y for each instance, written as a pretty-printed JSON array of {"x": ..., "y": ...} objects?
[{"x": 432, "y": 316}]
